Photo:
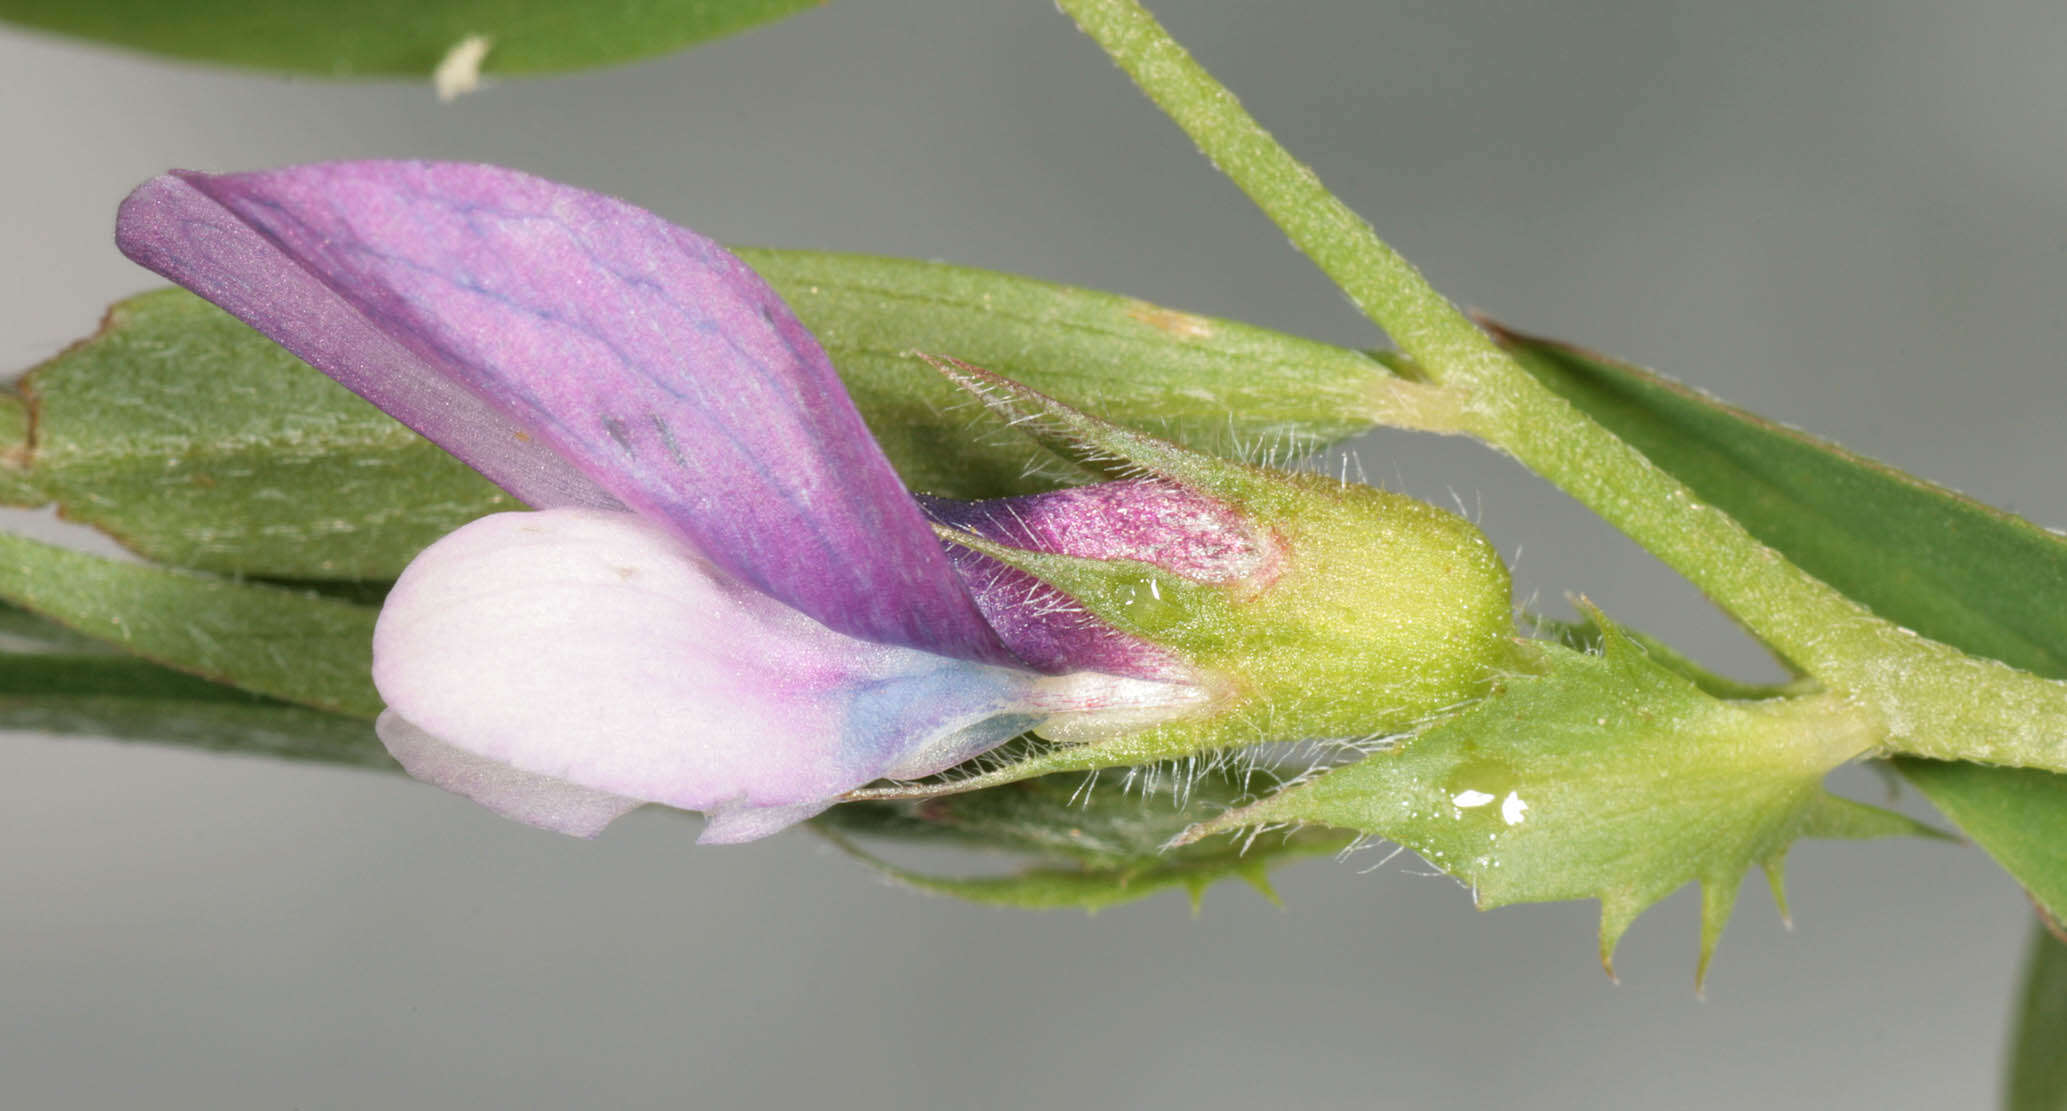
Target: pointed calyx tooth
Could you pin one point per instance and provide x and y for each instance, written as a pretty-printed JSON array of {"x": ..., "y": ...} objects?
[{"x": 1100, "y": 444}]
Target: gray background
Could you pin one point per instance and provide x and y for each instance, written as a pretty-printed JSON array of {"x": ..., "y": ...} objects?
[{"x": 1850, "y": 216}]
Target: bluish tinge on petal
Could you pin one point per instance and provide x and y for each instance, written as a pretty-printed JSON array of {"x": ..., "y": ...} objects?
[
  {"x": 594, "y": 648},
  {"x": 580, "y": 352}
]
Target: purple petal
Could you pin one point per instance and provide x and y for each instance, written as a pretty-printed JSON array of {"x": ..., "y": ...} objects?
[
  {"x": 169, "y": 225},
  {"x": 513, "y": 320},
  {"x": 593, "y": 649},
  {"x": 1158, "y": 523},
  {"x": 1051, "y": 632}
]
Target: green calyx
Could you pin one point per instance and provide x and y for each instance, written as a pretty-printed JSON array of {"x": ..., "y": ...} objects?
[
  {"x": 1610, "y": 776},
  {"x": 1368, "y": 613}
]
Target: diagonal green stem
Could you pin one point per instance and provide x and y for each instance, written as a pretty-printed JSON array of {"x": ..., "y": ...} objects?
[{"x": 1932, "y": 700}]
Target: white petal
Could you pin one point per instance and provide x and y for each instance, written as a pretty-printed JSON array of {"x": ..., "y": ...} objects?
[
  {"x": 732, "y": 824},
  {"x": 533, "y": 799},
  {"x": 593, "y": 648}
]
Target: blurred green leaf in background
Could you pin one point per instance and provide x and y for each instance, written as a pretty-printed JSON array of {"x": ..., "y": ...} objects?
[{"x": 398, "y": 38}]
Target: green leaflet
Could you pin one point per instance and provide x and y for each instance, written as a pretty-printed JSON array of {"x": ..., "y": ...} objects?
[
  {"x": 375, "y": 38},
  {"x": 1917, "y": 554},
  {"x": 200, "y": 443},
  {"x": 285, "y": 644},
  {"x": 55, "y": 680},
  {"x": 23, "y": 633},
  {"x": 15, "y": 488},
  {"x": 1607, "y": 776},
  {"x": 124, "y": 698},
  {"x": 1091, "y": 844},
  {"x": 1213, "y": 385},
  {"x": 2038, "y": 1049}
]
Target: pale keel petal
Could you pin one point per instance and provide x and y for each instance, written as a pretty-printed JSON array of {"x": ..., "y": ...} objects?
[
  {"x": 735, "y": 823},
  {"x": 595, "y": 648},
  {"x": 535, "y": 800}
]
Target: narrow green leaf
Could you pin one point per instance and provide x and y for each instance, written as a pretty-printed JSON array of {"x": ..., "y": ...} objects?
[
  {"x": 290, "y": 645},
  {"x": 125, "y": 698},
  {"x": 375, "y": 38},
  {"x": 2038, "y": 1054},
  {"x": 199, "y": 443},
  {"x": 1922, "y": 556}
]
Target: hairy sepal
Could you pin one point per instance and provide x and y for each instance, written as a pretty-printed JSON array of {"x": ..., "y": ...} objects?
[{"x": 1353, "y": 613}]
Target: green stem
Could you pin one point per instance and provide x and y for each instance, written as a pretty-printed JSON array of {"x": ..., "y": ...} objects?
[{"x": 1932, "y": 699}]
